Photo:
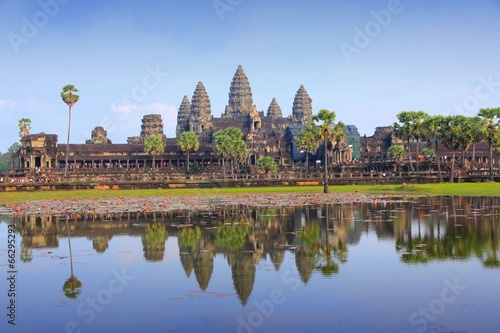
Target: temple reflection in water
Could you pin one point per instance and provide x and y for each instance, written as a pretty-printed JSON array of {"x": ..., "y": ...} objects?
[{"x": 423, "y": 230}]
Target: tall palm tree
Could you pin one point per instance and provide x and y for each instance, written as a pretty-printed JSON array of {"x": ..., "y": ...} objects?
[
  {"x": 339, "y": 134},
  {"x": 411, "y": 127},
  {"x": 477, "y": 125},
  {"x": 491, "y": 132},
  {"x": 308, "y": 141},
  {"x": 72, "y": 286},
  {"x": 69, "y": 96},
  {"x": 153, "y": 145},
  {"x": 188, "y": 141},
  {"x": 433, "y": 132},
  {"x": 326, "y": 118},
  {"x": 452, "y": 137}
]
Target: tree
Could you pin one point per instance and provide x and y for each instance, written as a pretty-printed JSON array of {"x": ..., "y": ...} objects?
[
  {"x": 411, "y": 127},
  {"x": 24, "y": 125},
  {"x": 433, "y": 132},
  {"x": 188, "y": 141},
  {"x": 153, "y": 145},
  {"x": 228, "y": 144},
  {"x": 69, "y": 96},
  {"x": 325, "y": 118},
  {"x": 267, "y": 164},
  {"x": 452, "y": 137},
  {"x": 396, "y": 152},
  {"x": 308, "y": 140},
  {"x": 221, "y": 143},
  {"x": 466, "y": 137},
  {"x": 339, "y": 134},
  {"x": 477, "y": 124},
  {"x": 238, "y": 152},
  {"x": 491, "y": 130},
  {"x": 5, "y": 157},
  {"x": 72, "y": 286}
]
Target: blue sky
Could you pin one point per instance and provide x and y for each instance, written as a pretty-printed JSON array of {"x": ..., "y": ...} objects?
[{"x": 366, "y": 60}]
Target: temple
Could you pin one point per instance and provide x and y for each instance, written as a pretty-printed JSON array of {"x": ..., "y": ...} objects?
[{"x": 263, "y": 131}]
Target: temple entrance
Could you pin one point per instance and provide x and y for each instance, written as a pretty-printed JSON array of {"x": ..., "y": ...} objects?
[{"x": 38, "y": 162}]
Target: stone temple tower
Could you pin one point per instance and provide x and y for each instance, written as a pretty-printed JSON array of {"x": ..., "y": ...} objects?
[
  {"x": 302, "y": 108},
  {"x": 152, "y": 124},
  {"x": 240, "y": 96},
  {"x": 200, "y": 118},
  {"x": 274, "y": 109},
  {"x": 183, "y": 117}
]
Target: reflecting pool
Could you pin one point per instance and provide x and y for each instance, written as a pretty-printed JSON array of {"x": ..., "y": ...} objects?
[{"x": 423, "y": 265}]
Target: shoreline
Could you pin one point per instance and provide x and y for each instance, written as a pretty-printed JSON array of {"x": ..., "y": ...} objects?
[{"x": 197, "y": 203}]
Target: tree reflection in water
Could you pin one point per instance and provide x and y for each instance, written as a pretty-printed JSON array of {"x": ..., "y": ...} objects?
[
  {"x": 72, "y": 286},
  {"x": 153, "y": 241},
  {"x": 316, "y": 237}
]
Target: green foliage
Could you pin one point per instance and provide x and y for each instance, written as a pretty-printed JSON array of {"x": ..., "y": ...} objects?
[
  {"x": 69, "y": 96},
  {"x": 155, "y": 233},
  {"x": 267, "y": 164},
  {"x": 72, "y": 287},
  {"x": 5, "y": 158},
  {"x": 188, "y": 141},
  {"x": 325, "y": 118},
  {"x": 308, "y": 139},
  {"x": 396, "y": 152},
  {"x": 153, "y": 145},
  {"x": 228, "y": 144},
  {"x": 24, "y": 125},
  {"x": 231, "y": 237},
  {"x": 189, "y": 236},
  {"x": 310, "y": 234},
  {"x": 427, "y": 151}
]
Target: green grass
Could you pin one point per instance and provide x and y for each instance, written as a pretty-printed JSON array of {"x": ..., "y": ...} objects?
[{"x": 474, "y": 189}]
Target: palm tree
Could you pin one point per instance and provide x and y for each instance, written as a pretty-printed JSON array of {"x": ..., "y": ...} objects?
[
  {"x": 491, "y": 132},
  {"x": 308, "y": 140},
  {"x": 452, "y": 137},
  {"x": 153, "y": 145},
  {"x": 69, "y": 96},
  {"x": 221, "y": 143},
  {"x": 24, "y": 125},
  {"x": 339, "y": 134},
  {"x": 228, "y": 143},
  {"x": 326, "y": 118},
  {"x": 411, "y": 126},
  {"x": 433, "y": 126},
  {"x": 477, "y": 124},
  {"x": 188, "y": 141},
  {"x": 72, "y": 285}
]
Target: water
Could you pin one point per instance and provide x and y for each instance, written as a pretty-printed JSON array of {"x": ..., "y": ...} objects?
[{"x": 430, "y": 265}]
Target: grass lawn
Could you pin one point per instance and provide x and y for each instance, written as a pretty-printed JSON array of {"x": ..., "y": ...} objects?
[{"x": 474, "y": 189}]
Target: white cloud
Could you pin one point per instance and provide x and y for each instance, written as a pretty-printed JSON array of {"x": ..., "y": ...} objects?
[{"x": 6, "y": 103}]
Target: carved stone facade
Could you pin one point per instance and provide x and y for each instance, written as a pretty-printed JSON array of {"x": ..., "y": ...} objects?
[
  {"x": 99, "y": 136},
  {"x": 240, "y": 96},
  {"x": 264, "y": 133},
  {"x": 302, "y": 107},
  {"x": 200, "y": 118},
  {"x": 183, "y": 117},
  {"x": 274, "y": 109},
  {"x": 152, "y": 124},
  {"x": 38, "y": 151}
]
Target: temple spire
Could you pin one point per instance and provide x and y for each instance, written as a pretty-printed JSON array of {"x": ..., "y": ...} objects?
[
  {"x": 183, "y": 116},
  {"x": 240, "y": 95},
  {"x": 200, "y": 117},
  {"x": 274, "y": 109},
  {"x": 302, "y": 108}
]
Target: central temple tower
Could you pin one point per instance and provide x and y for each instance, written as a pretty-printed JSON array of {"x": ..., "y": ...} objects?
[{"x": 240, "y": 96}]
